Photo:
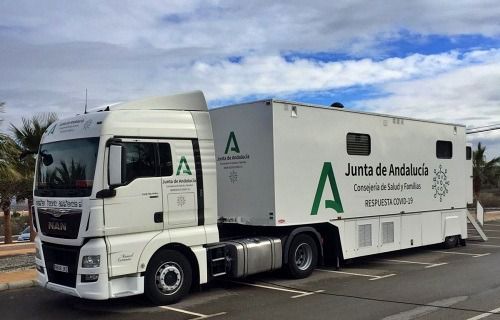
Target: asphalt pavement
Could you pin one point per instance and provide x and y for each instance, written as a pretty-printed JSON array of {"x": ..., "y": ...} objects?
[{"x": 422, "y": 283}]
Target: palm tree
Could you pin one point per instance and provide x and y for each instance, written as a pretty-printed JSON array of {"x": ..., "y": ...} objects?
[
  {"x": 483, "y": 171},
  {"x": 30, "y": 133},
  {"x": 10, "y": 179},
  {"x": 28, "y": 137}
]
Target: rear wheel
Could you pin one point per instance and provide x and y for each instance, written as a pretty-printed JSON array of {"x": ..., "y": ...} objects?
[
  {"x": 450, "y": 242},
  {"x": 168, "y": 277},
  {"x": 302, "y": 256}
]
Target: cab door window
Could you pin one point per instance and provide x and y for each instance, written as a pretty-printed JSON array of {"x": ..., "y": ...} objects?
[
  {"x": 140, "y": 160},
  {"x": 166, "y": 167}
]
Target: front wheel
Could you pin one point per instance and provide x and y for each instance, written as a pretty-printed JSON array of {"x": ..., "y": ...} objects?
[
  {"x": 168, "y": 277},
  {"x": 302, "y": 256}
]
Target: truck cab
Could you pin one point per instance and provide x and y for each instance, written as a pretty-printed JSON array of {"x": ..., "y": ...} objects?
[{"x": 118, "y": 187}]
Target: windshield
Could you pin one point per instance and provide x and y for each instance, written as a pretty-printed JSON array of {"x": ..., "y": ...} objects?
[{"x": 66, "y": 168}]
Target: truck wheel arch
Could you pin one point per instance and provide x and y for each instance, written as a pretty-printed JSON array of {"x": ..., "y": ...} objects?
[
  {"x": 308, "y": 230},
  {"x": 188, "y": 253}
]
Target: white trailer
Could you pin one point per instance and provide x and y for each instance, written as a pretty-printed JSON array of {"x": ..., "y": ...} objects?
[
  {"x": 386, "y": 183},
  {"x": 160, "y": 195}
]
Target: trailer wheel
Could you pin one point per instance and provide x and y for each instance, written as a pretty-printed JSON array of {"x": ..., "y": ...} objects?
[
  {"x": 168, "y": 277},
  {"x": 450, "y": 242},
  {"x": 302, "y": 256}
]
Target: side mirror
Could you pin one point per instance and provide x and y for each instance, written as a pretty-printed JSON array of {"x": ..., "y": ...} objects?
[{"x": 116, "y": 165}]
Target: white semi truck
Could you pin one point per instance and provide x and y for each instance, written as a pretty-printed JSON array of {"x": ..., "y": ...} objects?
[{"x": 161, "y": 195}]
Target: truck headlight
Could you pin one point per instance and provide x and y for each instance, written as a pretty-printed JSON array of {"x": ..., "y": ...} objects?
[{"x": 91, "y": 261}]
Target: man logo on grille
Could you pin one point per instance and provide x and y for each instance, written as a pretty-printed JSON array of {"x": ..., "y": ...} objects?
[{"x": 58, "y": 226}]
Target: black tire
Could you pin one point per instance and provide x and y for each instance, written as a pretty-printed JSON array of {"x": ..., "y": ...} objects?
[
  {"x": 168, "y": 277},
  {"x": 450, "y": 242},
  {"x": 302, "y": 256}
]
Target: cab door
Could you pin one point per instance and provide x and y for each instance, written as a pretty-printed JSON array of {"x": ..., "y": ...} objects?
[
  {"x": 179, "y": 183},
  {"x": 137, "y": 205}
]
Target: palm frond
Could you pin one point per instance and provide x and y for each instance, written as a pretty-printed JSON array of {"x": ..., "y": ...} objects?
[{"x": 29, "y": 134}]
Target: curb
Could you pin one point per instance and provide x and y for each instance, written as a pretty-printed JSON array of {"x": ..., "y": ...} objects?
[{"x": 18, "y": 285}]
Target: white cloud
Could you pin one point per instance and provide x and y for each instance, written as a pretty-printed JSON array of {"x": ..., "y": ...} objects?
[
  {"x": 273, "y": 75},
  {"x": 490, "y": 140},
  {"x": 239, "y": 27},
  {"x": 51, "y": 51},
  {"x": 468, "y": 95},
  {"x": 48, "y": 81}
]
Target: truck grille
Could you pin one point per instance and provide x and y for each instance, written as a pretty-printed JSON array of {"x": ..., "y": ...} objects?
[
  {"x": 60, "y": 223},
  {"x": 63, "y": 256}
]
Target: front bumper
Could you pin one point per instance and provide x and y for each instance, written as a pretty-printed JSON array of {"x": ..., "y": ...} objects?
[{"x": 72, "y": 284}]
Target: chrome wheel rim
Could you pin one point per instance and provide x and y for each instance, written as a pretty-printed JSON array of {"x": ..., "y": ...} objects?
[
  {"x": 303, "y": 256},
  {"x": 169, "y": 278}
]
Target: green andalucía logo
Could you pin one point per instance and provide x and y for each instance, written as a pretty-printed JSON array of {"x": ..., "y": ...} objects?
[
  {"x": 335, "y": 204},
  {"x": 183, "y": 167},
  {"x": 232, "y": 144}
]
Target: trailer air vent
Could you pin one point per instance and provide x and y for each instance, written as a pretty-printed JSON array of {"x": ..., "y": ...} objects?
[
  {"x": 358, "y": 144},
  {"x": 337, "y": 105},
  {"x": 387, "y": 232},
  {"x": 365, "y": 235}
]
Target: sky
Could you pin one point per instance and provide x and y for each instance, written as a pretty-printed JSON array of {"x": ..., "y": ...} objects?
[{"x": 436, "y": 60}]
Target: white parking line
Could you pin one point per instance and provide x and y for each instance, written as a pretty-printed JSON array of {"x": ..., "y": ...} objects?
[
  {"x": 307, "y": 294},
  {"x": 484, "y": 315},
  {"x": 474, "y": 255},
  {"x": 382, "y": 277},
  {"x": 372, "y": 277},
  {"x": 300, "y": 294},
  {"x": 197, "y": 315},
  {"x": 427, "y": 264}
]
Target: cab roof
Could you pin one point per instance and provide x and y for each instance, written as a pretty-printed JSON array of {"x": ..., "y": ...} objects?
[{"x": 189, "y": 101}]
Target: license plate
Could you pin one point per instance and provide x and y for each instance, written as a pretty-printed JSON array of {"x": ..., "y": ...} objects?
[{"x": 60, "y": 268}]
